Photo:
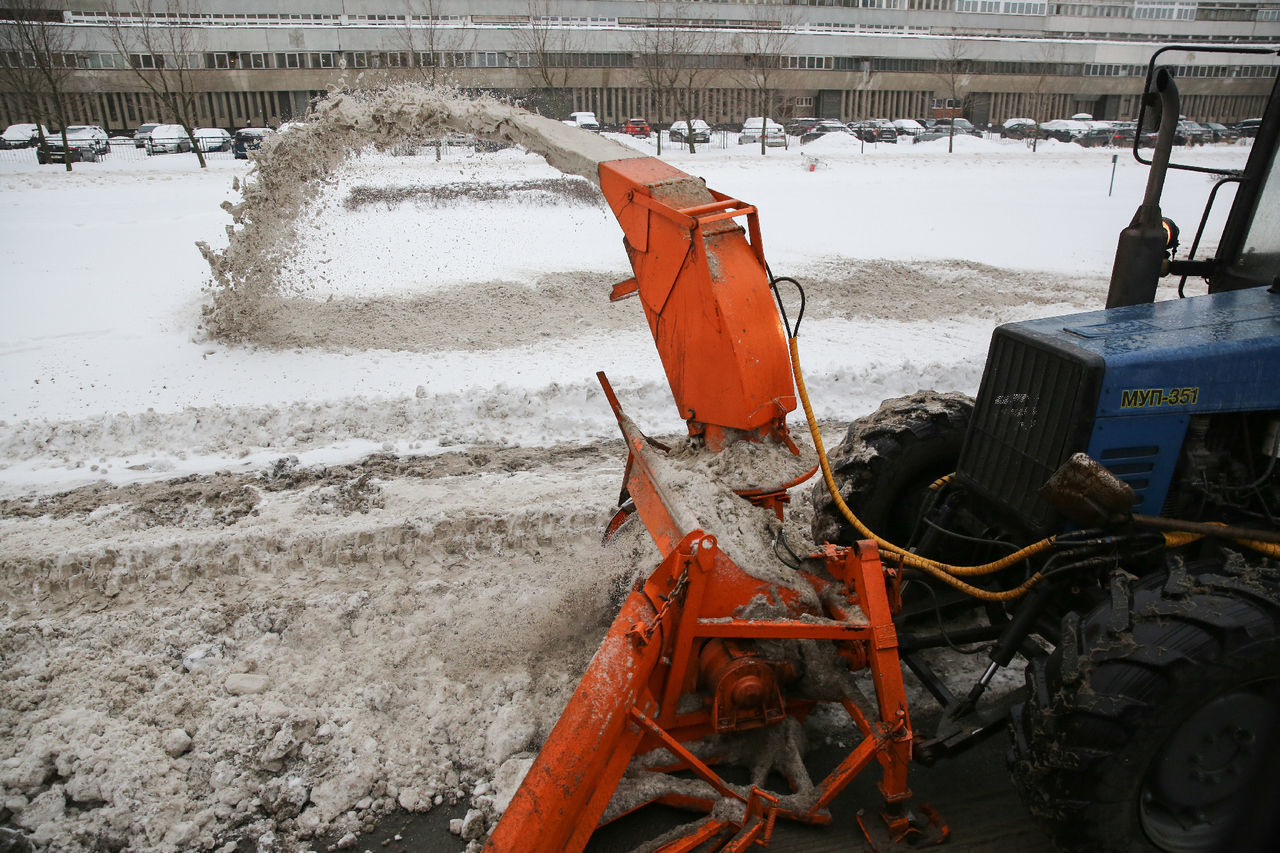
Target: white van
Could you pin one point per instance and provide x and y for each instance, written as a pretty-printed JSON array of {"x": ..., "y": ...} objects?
[{"x": 586, "y": 121}]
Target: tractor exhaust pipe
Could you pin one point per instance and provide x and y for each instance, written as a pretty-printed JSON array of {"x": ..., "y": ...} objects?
[{"x": 1141, "y": 254}]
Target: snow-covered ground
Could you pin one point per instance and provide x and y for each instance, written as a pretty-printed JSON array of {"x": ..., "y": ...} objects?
[
  {"x": 104, "y": 362},
  {"x": 221, "y": 619}
]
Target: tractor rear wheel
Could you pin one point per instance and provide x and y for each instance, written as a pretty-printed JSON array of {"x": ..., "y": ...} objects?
[
  {"x": 886, "y": 463},
  {"x": 1146, "y": 728}
]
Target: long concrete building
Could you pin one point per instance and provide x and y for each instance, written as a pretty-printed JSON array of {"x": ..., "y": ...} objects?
[{"x": 262, "y": 62}]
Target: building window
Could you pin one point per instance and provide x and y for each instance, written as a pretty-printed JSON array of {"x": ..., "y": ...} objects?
[{"x": 815, "y": 63}]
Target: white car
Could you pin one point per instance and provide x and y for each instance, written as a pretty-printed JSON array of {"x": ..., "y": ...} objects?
[
  {"x": 21, "y": 135},
  {"x": 168, "y": 139},
  {"x": 680, "y": 129},
  {"x": 212, "y": 139},
  {"x": 774, "y": 136},
  {"x": 1064, "y": 129},
  {"x": 908, "y": 127}
]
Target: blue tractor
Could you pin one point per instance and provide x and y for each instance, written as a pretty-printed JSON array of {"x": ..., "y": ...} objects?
[{"x": 1113, "y": 494}]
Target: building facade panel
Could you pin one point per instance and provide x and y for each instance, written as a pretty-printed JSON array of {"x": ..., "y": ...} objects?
[{"x": 260, "y": 61}]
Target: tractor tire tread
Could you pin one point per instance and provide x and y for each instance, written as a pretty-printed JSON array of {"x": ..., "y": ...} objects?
[
  {"x": 883, "y": 452},
  {"x": 1073, "y": 754}
]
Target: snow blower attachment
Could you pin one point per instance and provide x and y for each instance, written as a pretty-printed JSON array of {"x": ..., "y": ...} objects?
[{"x": 723, "y": 651}]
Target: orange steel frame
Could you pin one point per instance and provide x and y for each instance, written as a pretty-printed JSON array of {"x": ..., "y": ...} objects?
[
  {"x": 628, "y": 702},
  {"x": 706, "y": 295}
]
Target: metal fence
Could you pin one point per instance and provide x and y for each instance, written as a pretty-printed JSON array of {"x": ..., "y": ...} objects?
[{"x": 120, "y": 152}]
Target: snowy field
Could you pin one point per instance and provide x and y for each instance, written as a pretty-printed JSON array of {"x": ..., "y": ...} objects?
[{"x": 268, "y": 592}]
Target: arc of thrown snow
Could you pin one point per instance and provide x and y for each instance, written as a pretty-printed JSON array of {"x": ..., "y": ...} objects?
[{"x": 292, "y": 167}]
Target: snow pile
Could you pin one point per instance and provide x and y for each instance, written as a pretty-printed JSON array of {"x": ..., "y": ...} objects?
[{"x": 303, "y": 666}]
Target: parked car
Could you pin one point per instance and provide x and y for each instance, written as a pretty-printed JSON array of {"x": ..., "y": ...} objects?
[
  {"x": 1017, "y": 128},
  {"x": 85, "y": 143},
  {"x": 680, "y": 131},
  {"x": 962, "y": 126},
  {"x": 907, "y": 126},
  {"x": 822, "y": 128},
  {"x": 799, "y": 126},
  {"x": 1222, "y": 133},
  {"x": 212, "y": 139},
  {"x": 885, "y": 131},
  {"x": 637, "y": 127},
  {"x": 144, "y": 130},
  {"x": 248, "y": 139},
  {"x": 1248, "y": 128},
  {"x": 864, "y": 130},
  {"x": 21, "y": 136},
  {"x": 584, "y": 120},
  {"x": 1100, "y": 136},
  {"x": 1191, "y": 133},
  {"x": 929, "y": 133},
  {"x": 168, "y": 139},
  {"x": 774, "y": 135},
  {"x": 1063, "y": 129},
  {"x": 874, "y": 130}
]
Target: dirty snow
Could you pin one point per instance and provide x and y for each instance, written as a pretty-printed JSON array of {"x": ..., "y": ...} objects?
[{"x": 273, "y": 585}]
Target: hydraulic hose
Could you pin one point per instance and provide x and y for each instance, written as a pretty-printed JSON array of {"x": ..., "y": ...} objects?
[
  {"x": 1178, "y": 538},
  {"x": 952, "y": 574},
  {"x": 947, "y": 573}
]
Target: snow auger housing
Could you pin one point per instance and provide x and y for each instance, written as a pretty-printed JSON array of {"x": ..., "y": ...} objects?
[{"x": 721, "y": 642}]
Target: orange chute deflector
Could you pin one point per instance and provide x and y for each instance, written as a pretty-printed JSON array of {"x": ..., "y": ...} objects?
[{"x": 706, "y": 295}]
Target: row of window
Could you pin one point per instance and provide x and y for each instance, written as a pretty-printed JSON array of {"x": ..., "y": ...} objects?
[
  {"x": 524, "y": 59},
  {"x": 1001, "y": 7},
  {"x": 1179, "y": 10},
  {"x": 253, "y": 19}
]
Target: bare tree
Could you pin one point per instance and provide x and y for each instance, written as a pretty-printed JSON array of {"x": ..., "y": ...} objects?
[
  {"x": 163, "y": 57},
  {"x": 1041, "y": 87},
  {"x": 544, "y": 48},
  {"x": 955, "y": 71},
  {"x": 763, "y": 49},
  {"x": 39, "y": 65},
  {"x": 432, "y": 42},
  {"x": 673, "y": 59}
]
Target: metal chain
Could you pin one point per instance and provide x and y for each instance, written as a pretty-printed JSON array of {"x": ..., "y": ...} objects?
[{"x": 677, "y": 592}]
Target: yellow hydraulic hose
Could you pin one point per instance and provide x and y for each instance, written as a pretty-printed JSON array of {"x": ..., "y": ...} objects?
[
  {"x": 948, "y": 573},
  {"x": 1178, "y": 538},
  {"x": 944, "y": 572}
]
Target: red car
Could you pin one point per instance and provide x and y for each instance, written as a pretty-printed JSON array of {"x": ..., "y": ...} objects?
[{"x": 637, "y": 127}]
